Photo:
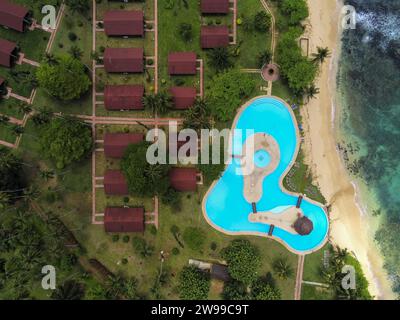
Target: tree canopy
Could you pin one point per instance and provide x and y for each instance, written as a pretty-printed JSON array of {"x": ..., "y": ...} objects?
[
  {"x": 227, "y": 91},
  {"x": 193, "y": 284},
  {"x": 11, "y": 174},
  {"x": 65, "y": 140},
  {"x": 143, "y": 178},
  {"x": 298, "y": 70},
  {"x": 65, "y": 79},
  {"x": 295, "y": 10},
  {"x": 243, "y": 260}
]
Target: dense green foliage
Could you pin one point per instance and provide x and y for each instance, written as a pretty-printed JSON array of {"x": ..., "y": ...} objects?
[
  {"x": 143, "y": 178},
  {"x": 295, "y": 10},
  {"x": 227, "y": 91},
  {"x": 333, "y": 276},
  {"x": 193, "y": 284},
  {"x": 297, "y": 69},
  {"x": 262, "y": 21},
  {"x": 27, "y": 243},
  {"x": 158, "y": 103},
  {"x": 65, "y": 79},
  {"x": 197, "y": 117},
  {"x": 11, "y": 175},
  {"x": 243, "y": 260},
  {"x": 212, "y": 171},
  {"x": 65, "y": 140},
  {"x": 263, "y": 290}
]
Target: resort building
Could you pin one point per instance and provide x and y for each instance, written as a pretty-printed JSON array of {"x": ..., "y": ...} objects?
[
  {"x": 183, "y": 179},
  {"x": 124, "y": 60},
  {"x": 124, "y": 220},
  {"x": 182, "y": 63},
  {"x": 14, "y": 16},
  {"x": 115, "y": 144},
  {"x": 215, "y": 6},
  {"x": 183, "y": 97},
  {"x": 8, "y": 53},
  {"x": 124, "y": 23},
  {"x": 123, "y": 97},
  {"x": 214, "y": 37},
  {"x": 115, "y": 183}
]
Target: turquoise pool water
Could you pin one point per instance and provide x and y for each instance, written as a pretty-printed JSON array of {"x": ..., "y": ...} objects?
[
  {"x": 261, "y": 158},
  {"x": 225, "y": 205}
]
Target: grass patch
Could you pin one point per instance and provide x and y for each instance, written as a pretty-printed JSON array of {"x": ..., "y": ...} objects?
[{"x": 6, "y": 133}]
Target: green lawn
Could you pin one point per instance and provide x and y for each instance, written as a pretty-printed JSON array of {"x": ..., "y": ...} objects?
[
  {"x": 6, "y": 133},
  {"x": 20, "y": 78},
  {"x": 252, "y": 43},
  {"x": 11, "y": 107}
]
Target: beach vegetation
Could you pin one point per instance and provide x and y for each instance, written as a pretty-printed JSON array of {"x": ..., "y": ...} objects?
[
  {"x": 321, "y": 54},
  {"x": 295, "y": 10}
]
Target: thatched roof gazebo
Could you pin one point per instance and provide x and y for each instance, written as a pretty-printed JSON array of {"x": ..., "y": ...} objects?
[{"x": 303, "y": 226}]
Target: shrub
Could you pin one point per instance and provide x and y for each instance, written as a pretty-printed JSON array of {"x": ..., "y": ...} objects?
[
  {"x": 124, "y": 261},
  {"x": 72, "y": 36},
  {"x": 185, "y": 31},
  {"x": 175, "y": 251},
  {"x": 213, "y": 246},
  {"x": 125, "y": 238},
  {"x": 194, "y": 238},
  {"x": 153, "y": 229},
  {"x": 115, "y": 238},
  {"x": 262, "y": 21}
]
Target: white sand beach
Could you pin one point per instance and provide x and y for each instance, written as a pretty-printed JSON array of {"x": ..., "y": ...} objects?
[{"x": 349, "y": 227}]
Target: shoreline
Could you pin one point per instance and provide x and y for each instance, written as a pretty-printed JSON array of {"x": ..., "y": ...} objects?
[{"x": 350, "y": 225}]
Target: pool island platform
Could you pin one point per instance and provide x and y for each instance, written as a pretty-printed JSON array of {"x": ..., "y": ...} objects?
[{"x": 249, "y": 197}]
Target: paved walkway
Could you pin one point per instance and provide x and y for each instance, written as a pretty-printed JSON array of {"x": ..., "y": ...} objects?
[
  {"x": 299, "y": 277},
  {"x": 54, "y": 32}
]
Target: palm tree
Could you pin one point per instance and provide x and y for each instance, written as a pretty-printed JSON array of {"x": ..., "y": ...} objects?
[
  {"x": 69, "y": 290},
  {"x": 282, "y": 268},
  {"x": 220, "y": 59},
  {"x": 25, "y": 108},
  {"x": 321, "y": 55},
  {"x": 263, "y": 58},
  {"x": 49, "y": 58},
  {"x": 311, "y": 92},
  {"x": 17, "y": 129},
  {"x": 154, "y": 172},
  {"x": 198, "y": 116},
  {"x": 158, "y": 103},
  {"x": 76, "y": 52},
  {"x": 46, "y": 175}
]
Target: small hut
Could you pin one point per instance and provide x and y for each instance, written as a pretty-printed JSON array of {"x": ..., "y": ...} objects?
[
  {"x": 8, "y": 53},
  {"x": 14, "y": 16},
  {"x": 303, "y": 226}
]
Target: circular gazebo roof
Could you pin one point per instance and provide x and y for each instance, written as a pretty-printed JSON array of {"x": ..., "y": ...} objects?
[
  {"x": 270, "y": 72},
  {"x": 303, "y": 226}
]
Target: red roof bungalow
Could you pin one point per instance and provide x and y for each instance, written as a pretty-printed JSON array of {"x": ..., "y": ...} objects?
[
  {"x": 124, "y": 23},
  {"x": 215, "y": 6},
  {"x": 183, "y": 97},
  {"x": 8, "y": 53},
  {"x": 123, "y": 97},
  {"x": 115, "y": 144},
  {"x": 183, "y": 179},
  {"x": 214, "y": 37},
  {"x": 182, "y": 63},
  {"x": 115, "y": 183},
  {"x": 13, "y": 16},
  {"x": 124, "y": 220},
  {"x": 124, "y": 60}
]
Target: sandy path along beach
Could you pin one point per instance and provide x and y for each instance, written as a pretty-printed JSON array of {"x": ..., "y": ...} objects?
[{"x": 349, "y": 227}]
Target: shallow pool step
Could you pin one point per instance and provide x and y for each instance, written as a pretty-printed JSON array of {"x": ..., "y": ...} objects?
[
  {"x": 299, "y": 200},
  {"x": 253, "y": 204}
]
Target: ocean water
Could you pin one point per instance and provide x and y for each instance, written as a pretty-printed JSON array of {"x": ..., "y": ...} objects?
[{"x": 369, "y": 88}]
